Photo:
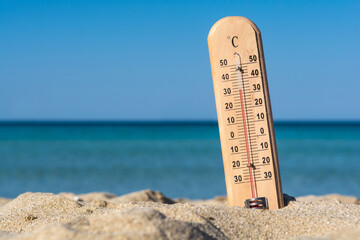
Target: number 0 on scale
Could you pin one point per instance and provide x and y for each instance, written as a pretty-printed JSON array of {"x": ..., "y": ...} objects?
[{"x": 244, "y": 115}]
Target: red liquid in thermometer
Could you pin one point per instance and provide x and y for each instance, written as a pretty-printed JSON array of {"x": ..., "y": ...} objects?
[{"x": 247, "y": 144}]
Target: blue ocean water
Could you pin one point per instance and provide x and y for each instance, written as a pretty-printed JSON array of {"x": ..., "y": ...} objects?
[{"x": 179, "y": 159}]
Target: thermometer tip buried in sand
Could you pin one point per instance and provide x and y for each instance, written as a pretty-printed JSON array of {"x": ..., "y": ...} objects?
[{"x": 244, "y": 115}]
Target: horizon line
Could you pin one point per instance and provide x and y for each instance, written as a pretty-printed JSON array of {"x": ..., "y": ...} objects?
[{"x": 163, "y": 122}]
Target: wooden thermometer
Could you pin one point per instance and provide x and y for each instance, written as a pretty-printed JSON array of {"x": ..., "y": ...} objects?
[{"x": 244, "y": 115}]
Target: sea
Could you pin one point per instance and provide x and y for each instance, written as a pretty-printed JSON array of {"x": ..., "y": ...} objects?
[{"x": 180, "y": 159}]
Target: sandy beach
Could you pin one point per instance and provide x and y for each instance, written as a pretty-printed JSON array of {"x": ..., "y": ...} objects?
[{"x": 151, "y": 215}]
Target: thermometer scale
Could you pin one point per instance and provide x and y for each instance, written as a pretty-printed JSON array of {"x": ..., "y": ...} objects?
[{"x": 244, "y": 115}]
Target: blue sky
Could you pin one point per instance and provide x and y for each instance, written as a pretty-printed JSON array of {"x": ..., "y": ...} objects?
[{"x": 148, "y": 60}]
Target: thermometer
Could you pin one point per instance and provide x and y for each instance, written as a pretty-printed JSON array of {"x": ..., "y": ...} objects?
[{"x": 245, "y": 121}]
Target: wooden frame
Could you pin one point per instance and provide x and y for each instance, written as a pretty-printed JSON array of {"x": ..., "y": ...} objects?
[{"x": 244, "y": 113}]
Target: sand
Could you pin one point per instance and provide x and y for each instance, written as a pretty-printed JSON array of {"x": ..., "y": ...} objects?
[{"x": 151, "y": 215}]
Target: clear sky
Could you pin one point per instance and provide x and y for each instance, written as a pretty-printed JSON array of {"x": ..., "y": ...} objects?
[{"x": 148, "y": 60}]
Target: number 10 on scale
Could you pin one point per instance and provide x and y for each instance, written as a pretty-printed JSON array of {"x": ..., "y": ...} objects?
[{"x": 244, "y": 115}]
